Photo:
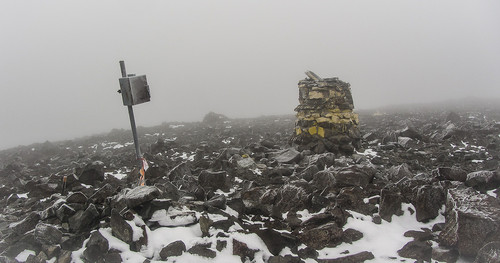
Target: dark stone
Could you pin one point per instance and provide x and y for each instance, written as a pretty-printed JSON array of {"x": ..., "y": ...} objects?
[
  {"x": 214, "y": 180},
  {"x": 276, "y": 241},
  {"x": 140, "y": 195},
  {"x": 390, "y": 203},
  {"x": 120, "y": 228},
  {"x": 218, "y": 201},
  {"x": 241, "y": 249},
  {"x": 84, "y": 220},
  {"x": 205, "y": 224},
  {"x": 72, "y": 242},
  {"x": 291, "y": 197},
  {"x": 430, "y": 199},
  {"x": 202, "y": 250},
  {"x": 351, "y": 235},
  {"x": 450, "y": 173},
  {"x": 27, "y": 224},
  {"x": 113, "y": 257},
  {"x": 137, "y": 245},
  {"x": 100, "y": 195},
  {"x": 221, "y": 244},
  {"x": 444, "y": 254},
  {"x": 323, "y": 179},
  {"x": 419, "y": 235},
  {"x": 289, "y": 156},
  {"x": 483, "y": 180},
  {"x": 173, "y": 249},
  {"x": 352, "y": 176},
  {"x": 92, "y": 173},
  {"x": 471, "y": 221},
  {"x": 99, "y": 241},
  {"x": 179, "y": 172},
  {"x": 489, "y": 253},
  {"x": 27, "y": 241},
  {"x": 285, "y": 259},
  {"x": 169, "y": 191},
  {"x": 398, "y": 172},
  {"x": 47, "y": 234},
  {"x": 308, "y": 173},
  {"x": 93, "y": 254},
  {"x": 320, "y": 237},
  {"x": 356, "y": 258},
  {"x": 64, "y": 212},
  {"x": 308, "y": 252},
  {"x": 77, "y": 197},
  {"x": 417, "y": 250}
]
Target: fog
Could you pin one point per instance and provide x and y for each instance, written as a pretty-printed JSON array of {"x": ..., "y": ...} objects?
[{"x": 59, "y": 60}]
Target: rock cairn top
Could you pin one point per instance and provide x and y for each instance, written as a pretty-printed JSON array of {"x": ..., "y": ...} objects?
[{"x": 325, "y": 118}]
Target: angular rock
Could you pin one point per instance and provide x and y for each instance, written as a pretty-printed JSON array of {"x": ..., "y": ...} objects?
[
  {"x": 214, "y": 180},
  {"x": 27, "y": 224},
  {"x": 100, "y": 195},
  {"x": 471, "y": 221},
  {"x": 285, "y": 259},
  {"x": 483, "y": 180},
  {"x": 47, "y": 234},
  {"x": 489, "y": 253},
  {"x": 120, "y": 228},
  {"x": 352, "y": 176},
  {"x": 173, "y": 249},
  {"x": 241, "y": 249},
  {"x": 450, "y": 173},
  {"x": 218, "y": 201},
  {"x": 84, "y": 220},
  {"x": 99, "y": 241},
  {"x": 291, "y": 197},
  {"x": 356, "y": 258},
  {"x": 417, "y": 250},
  {"x": 320, "y": 237},
  {"x": 64, "y": 212},
  {"x": 323, "y": 179},
  {"x": 289, "y": 156},
  {"x": 92, "y": 174},
  {"x": 398, "y": 172},
  {"x": 202, "y": 250},
  {"x": 390, "y": 203},
  {"x": 77, "y": 197},
  {"x": 444, "y": 254},
  {"x": 276, "y": 241},
  {"x": 430, "y": 199},
  {"x": 140, "y": 195}
]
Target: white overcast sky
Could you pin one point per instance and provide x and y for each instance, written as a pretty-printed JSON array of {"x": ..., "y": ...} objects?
[{"x": 59, "y": 59}]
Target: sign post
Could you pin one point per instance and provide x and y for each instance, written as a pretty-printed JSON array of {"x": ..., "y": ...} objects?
[{"x": 134, "y": 90}]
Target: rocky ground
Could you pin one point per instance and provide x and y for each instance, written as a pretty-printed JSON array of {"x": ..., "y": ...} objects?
[{"x": 424, "y": 185}]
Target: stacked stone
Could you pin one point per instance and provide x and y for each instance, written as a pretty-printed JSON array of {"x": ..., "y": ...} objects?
[{"x": 325, "y": 117}]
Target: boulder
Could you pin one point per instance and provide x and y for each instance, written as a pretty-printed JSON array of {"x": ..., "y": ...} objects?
[
  {"x": 291, "y": 197},
  {"x": 483, "y": 180},
  {"x": 84, "y": 220},
  {"x": 398, "y": 172},
  {"x": 241, "y": 249},
  {"x": 285, "y": 259},
  {"x": 471, "y": 221},
  {"x": 430, "y": 198},
  {"x": 214, "y": 180},
  {"x": 276, "y": 241},
  {"x": 322, "y": 236},
  {"x": 96, "y": 247},
  {"x": 356, "y": 258},
  {"x": 77, "y": 197},
  {"x": 450, "y": 173},
  {"x": 27, "y": 224},
  {"x": 202, "y": 250},
  {"x": 352, "y": 176},
  {"x": 419, "y": 250},
  {"x": 289, "y": 156},
  {"x": 92, "y": 174},
  {"x": 47, "y": 234},
  {"x": 140, "y": 195},
  {"x": 390, "y": 203},
  {"x": 173, "y": 249},
  {"x": 489, "y": 253},
  {"x": 120, "y": 227}
]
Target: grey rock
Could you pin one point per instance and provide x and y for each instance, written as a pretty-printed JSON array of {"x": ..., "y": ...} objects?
[
  {"x": 84, "y": 220},
  {"x": 120, "y": 228},
  {"x": 356, "y": 258},
  {"x": 417, "y": 250},
  {"x": 92, "y": 174},
  {"x": 241, "y": 249},
  {"x": 289, "y": 156},
  {"x": 320, "y": 237},
  {"x": 448, "y": 255},
  {"x": 173, "y": 249},
  {"x": 489, "y": 253},
  {"x": 140, "y": 195},
  {"x": 471, "y": 221},
  {"x": 47, "y": 234},
  {"x": 353, "y": 176},
  {"x": 390, "y": 203},
  {"x": 77, "y": 197},
  {"x": 450, "y": 173},
  {"x": 276, "y": 241},
  {"x": 27, "y": 224},
  {"x": 429, "y": 200},
  {"x": 214, "y": 180},
  {"x": 483, "y": 180},
  {"x": 218, "y": 201},
  {"x": 398, "y": 172},
  {"x": 285, "y": 259},
  {"x": 202, "y": 250}
]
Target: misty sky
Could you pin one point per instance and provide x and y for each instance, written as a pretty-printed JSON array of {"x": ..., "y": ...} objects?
[{"x": 59, "y": 59}]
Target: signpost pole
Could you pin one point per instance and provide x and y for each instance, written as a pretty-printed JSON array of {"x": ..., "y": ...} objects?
[{"x": 131, "y": 116}]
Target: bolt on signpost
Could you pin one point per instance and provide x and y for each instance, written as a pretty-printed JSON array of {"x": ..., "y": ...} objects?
[{"x": 135, "y": 90}]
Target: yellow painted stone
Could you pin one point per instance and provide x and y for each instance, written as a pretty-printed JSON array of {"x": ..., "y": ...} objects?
[
  {"x": 313, "y": 94},
  {"x": 312, "y": 130},
  {"x": 323, "y": 119},
  {"x": 321, "y": 132},
  {"x": 298, "y": 131}
]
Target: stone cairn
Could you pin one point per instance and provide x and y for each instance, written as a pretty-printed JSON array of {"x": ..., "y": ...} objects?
[{"x": 325, "y": 118}]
